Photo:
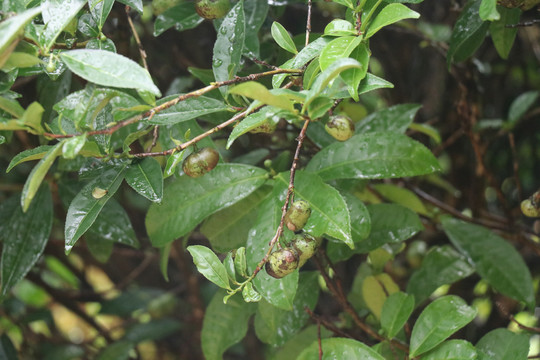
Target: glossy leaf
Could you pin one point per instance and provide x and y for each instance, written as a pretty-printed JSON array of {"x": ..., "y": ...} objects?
[
  {"x": 468, "y": 33},
  {"x": 452, "y": 350},
  {"x": 494, "y": 258},
  {"x": 372, "y": 82},
  {"x": 11, "y": 106},
  {"x": 228, "y": 229},
  {"x": 229, "y": 45},
  {"x": 85, "y": 207},
  {"x": 442, "y": 265},
  {"x": 36, "y": 153},
  {"x": 146, "y": 178},
  {"x": 354, "y": 76},
  {"x": 257, "y": 91},
  {"x": 302, "y": 58},
  {"x": 250, "y": 294},
  {"x": 172, "y": 162},
  {"x": 209, "y": 265},
  {"x": 282, "y": 38},
  {"x": 501, "y": 344},
  {"x": 134, "y": 4},
  {"x": 503, "y": 37},
  {"x": 373, "y": 156},
  {"x": 109, "y": 69},
  {"x": 340, "y": 348},
  {"x": 278, "y": 292},
  {"x": 329, "y": 213},
  {"x": 438, "y": 321},
  {"x": 388, "y": 15},
  {"x": 24, "y": 236},
  {"x": 375, "y": 292},
  {"x": 182, "y": 17},
  {"x": 296, "y": 344},
  {"x": 401, "y": 196},
  {"x": 340, "y": 27},
  {"x": 100, "y": 9},
  {"x": 274, "y": 325},
  {"x": 188, "y": 201},
  {"x": 395, "y": 312},
  {"x": 251, "y": 122},
  {"x": 33, "y": 182},
  {"x": 188, "y": 109},
  {"x": 395, "y": 118},
  {"x": 224, "y": 324},
  {"x": 57, "y": 14},
  {"x": 338, "y": 48},
  {"x": 488, "y": 10},
  {"x": 256, "y": 12},
  {"x": 73, "y": 146},
  {"x": 12, "y": 29}
]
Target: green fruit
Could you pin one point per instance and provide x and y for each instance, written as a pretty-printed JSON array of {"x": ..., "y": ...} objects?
[
  {"x": 305, "y": 245},
  {"x": 212, "y": 9},
  {"x": 200, "y": 162},
  {"x": 528, "y": 209},
  {"x": 282, "y": 262},
  {"x": 297, "y": 215},
  {"x": 340, "y": 127}
]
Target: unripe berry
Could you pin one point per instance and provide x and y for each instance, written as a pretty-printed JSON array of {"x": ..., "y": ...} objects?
[
  {"x": 305, "y": 245},
  {"x": 282, "y": 262},
  {"x": 528, "y": 209},
  {"x": 297, "y": 215},
  {"x": 212, "y": 9},
  {"x": 340, "y": 127},
  {"x": 200, "y": 162}
]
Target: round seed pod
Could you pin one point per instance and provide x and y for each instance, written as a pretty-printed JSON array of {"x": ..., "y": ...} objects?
[
  {"x": 305, "y": 245},
  {"x": 297, "y": 215},
  {"x": 282, "y": 262},
  {"x": 212, "y": 9},
  {"x": 340, "y": 127},
  {"x": 528, "y": 209},
  {"x": 200, "y": 162}
]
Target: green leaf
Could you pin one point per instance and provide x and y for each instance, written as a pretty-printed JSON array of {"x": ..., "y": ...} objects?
[
  {"x": 73, "y": 146},
  {"x": 501, "y": 344},
  {"x": 12, "y": 29},
  {"x": 282, "y": 38},
  {"x": 395, "y": 312},
  {"x": 278, "y": 292},
  {"x": 302, "y": 58},
  {"x": 274, "y": 325},
  {"x": 452, "y": 350},
  {"x": 372, "y": 82},
  {"x": 7, "y": 350},
  {"x": 494, "y": 258},
  {"x": 267, "y": 114},
  {"x": 339, "y": 348},
  {"x": 468, "y": 34},
  {"x": 347, "y": 3},
  {"x": 134, "y": 4},
  {"x": 503, "y": 37},
  {"x": 188, "y": 201},
  {"x": 109, "y": 69},
  {"x": 250, "y": 294},
  {"x": 373, "y": 156},
  {"x": 257, "y": 91},
  {"x": 329, "y": 74},
  {"x": 33, "y": 182},
  {"x": 146, "y": 178},
  {"x": 85, "y": 207},
  {"x": 182, "y": 17},
  {"x": 488, "y": 10},
  {"x": 521, "y": 105},
  {"x": 57, "y": 14},
  {"x": 390, "y": 14},
  {"x": 442, "y": 265},
  {"x": 438, "y": 321},
  {"x": 153, "y": 330},
  {"x": 340, "y": 27},
  {"x": 119, "y": 350},
  {"x": 402, "y": 196},
  {"x": 31, "y": 119},
  {"x": 319, "y": 107},
  {"x": 338, "y": 48},
  {"x": 11, "y": 106},
  {"x": 256, "y": 12},
  {"x": 296, "y": 344},
  {"x": 224, "y": 324},
  {"x": 172, "y": 162},
  {"x": 329, "y": 212},
  {"x": 375, "y": 291},
  {"x": 100, "y": 9},
  {"x": 25, "y": 235},
  {"x": 187, "y": 109},
  {"x": 29, "y": 155},
  {"x": 229, "y": 45},
  {"x": 164, "y": 253},
  {"x": 209, "y": 265},
  {"x": 354, "y": 76},
  {"x": 228, "y": 229},
  {"x": 396, "y": 118}
]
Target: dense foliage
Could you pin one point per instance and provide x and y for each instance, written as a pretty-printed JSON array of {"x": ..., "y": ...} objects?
[{"x": 281, "y": 180}]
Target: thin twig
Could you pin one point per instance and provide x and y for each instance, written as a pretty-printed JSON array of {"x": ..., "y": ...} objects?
[
  {"x": 137, "y": 39},
  {"x": 170, "y": 103},
  {"x": 290, "y": 190},
  {"x": 327, "y": 324},
  {"x": 155, "y": 136},
  {"x": 516, "y": 165},
  {"x": 308, "y": 22},
  {"x": 523, "y": 24}
]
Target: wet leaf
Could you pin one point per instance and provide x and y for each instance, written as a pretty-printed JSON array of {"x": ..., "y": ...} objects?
[
  {"x": 209, "y": 265},
  {"x": 340, "y": 348},
  {"x": 146, "y": 178}
]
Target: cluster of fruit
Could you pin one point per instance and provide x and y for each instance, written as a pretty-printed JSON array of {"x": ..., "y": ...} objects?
[{"x": 302, "y": 247}]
